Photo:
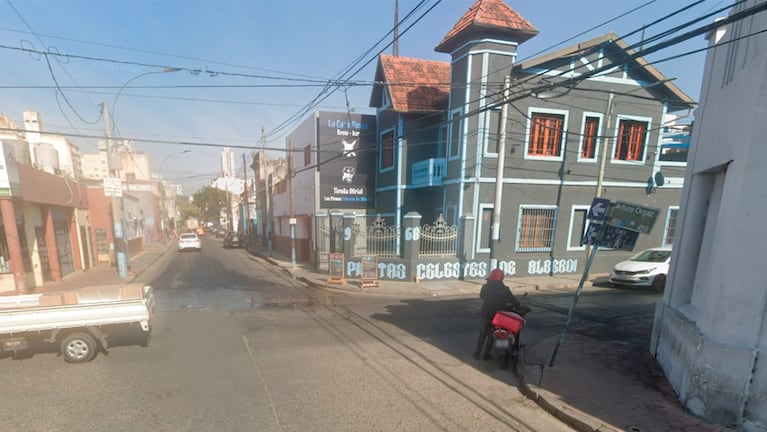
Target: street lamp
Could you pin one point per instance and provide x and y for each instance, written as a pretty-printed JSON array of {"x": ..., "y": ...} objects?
[
  {"x": 163, "y": 202},
  {"x": 114, "y": 166}
]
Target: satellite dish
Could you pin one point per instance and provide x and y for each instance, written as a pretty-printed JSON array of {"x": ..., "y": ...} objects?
[{"x": 659, "y": 179}]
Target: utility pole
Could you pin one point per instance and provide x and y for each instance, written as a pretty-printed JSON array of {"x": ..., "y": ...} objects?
[
  {"x": 495, "y": 236},
  {"x": 265, "y": 197},
  {"x": 121, "y": 260},
  {"x": 604, "y": 148},
  {"x": 245, "y": 192},
  {"x": 292, "y": 213}
]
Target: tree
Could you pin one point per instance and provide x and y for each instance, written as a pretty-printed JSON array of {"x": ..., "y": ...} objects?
[
  {"x": 188, "y": 210},
  {"x": 209, "y": 202}
]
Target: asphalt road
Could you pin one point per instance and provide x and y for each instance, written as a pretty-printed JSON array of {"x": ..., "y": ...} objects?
[{"x": 238, "y": 346}]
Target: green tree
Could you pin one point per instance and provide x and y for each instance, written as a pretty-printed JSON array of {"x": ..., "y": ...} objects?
[
  {"x": 209, "y": 201},
  {"x": 188, "y": 210}
]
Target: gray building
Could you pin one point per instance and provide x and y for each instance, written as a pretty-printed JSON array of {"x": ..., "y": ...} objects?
[{"x": 438, "y": 144}]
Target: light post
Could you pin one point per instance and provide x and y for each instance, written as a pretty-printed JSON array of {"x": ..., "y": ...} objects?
[
  {"x": 163, "y": 200},
  {"x": 115, "y": 166}
]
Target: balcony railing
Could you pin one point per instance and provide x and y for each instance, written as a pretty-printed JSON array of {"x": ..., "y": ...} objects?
[{"x": 429, "y": 172}]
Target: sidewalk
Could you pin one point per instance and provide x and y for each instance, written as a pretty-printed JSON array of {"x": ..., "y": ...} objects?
[
  {"x": 595, "y": 384},
  {"x": 105, "y": 274}
]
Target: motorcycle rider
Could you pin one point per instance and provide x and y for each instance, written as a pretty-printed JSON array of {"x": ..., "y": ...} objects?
[{"x": 495, "y": 296}]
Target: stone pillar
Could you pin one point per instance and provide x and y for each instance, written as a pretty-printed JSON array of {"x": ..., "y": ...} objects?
[
  {"x": 74, "y": 240},
  {"x": 411, "y": 241},
  {"x": 348, "y": 236}
]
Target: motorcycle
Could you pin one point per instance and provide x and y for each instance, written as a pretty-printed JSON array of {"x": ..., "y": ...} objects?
[{"x": 507, "y": 325}]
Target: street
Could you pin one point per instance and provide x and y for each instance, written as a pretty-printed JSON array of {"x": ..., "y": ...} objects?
[{"x": 238, "y": 345}]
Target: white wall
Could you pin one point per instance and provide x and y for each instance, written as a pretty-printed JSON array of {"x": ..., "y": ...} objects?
[{"x": 712, "y": 324}]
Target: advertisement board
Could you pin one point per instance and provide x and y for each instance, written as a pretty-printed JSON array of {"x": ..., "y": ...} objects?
[{"x": 346, "y": 154}]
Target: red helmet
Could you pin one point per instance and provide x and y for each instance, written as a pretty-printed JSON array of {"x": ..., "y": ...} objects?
[{"x": 496, "y": 275}]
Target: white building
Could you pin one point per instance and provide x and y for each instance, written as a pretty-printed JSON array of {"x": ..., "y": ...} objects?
[
  {"x": 51, "y": 153},
  {"x": 228, "y": 168},
  {"x": 710, "y": 332},
  {"x": 235, "y": 187}
]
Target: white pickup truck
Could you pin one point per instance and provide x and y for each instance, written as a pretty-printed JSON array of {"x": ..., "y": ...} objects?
[{"x": 79, "y": 321}]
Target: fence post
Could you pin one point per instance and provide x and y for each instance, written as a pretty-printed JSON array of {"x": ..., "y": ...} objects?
[
  {"x": 411, "y": 241},
  {"x": 348, "y": 235},
  {"x": 465, "y": 252}
]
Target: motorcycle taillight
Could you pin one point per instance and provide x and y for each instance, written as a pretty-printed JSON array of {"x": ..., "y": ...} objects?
[{"x": 501, "y": 334}]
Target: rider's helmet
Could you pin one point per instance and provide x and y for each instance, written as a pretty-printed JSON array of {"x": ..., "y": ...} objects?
[{"x": 496, "y": 275}]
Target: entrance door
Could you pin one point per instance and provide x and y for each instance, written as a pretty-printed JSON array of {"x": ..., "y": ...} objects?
[{"x": 45, "y": 265}]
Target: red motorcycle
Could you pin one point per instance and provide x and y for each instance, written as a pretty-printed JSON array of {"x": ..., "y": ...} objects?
[{"x": 507, "y": 326}]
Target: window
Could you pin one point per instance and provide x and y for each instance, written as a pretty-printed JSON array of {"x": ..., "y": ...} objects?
[
  {"x": 632, "y": 135},
  {"x": 442, "y": 141},
  {"x": 578, "y": 224},
  {"x": 485, "y": 228},
  {"x": 590, "y": 138},
  {"x": 387, "y": 150},
  {"x": 536, "y": 229},
  {"x": 308, "y": 155},
  {"x": 668, "y": 238},
  {"x": 546, "y": 131},
  {"x": 455, "y": 134},
  {"x": 493, "y": 131}
]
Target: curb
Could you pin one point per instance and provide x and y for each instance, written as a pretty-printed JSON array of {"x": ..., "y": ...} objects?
[{"x": 570, "y": 416}]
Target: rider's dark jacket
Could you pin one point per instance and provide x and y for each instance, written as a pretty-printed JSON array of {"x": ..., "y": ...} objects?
[{"x": 495, "y": 296}]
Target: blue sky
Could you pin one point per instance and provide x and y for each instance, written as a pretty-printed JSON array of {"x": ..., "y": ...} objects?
[{"x": 226, "y": 49}]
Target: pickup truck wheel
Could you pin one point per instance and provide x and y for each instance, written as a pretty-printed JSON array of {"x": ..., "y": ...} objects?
[{"x": 78, "y": 348}]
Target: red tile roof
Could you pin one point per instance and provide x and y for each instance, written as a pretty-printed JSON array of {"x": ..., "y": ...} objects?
[
  {"x": 414, "y": 84},
  {"x": 490, "y": 14}
]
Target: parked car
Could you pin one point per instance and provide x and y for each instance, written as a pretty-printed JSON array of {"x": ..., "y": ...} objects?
[
  {"x": 189, "y": 241},
  {"x": 648, "y": 268},
  {"x": 232, "y": 239},
  {"x": 220, "y": 232}
]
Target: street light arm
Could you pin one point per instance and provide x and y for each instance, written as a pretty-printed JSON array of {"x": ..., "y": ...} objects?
[{"x": 119, "y": 92}]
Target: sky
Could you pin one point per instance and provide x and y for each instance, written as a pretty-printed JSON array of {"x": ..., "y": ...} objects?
[{"x": 201, "y": 75}]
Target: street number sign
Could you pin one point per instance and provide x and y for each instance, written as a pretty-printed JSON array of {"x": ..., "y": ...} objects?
[
  {"x": 633, "y": 217},
  {"x": 613, "y": 237}
]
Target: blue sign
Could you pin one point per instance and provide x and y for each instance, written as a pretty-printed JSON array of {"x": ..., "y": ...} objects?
[
  {"x": 598, "y": 210},
  {"x": 613, "y": 238}
]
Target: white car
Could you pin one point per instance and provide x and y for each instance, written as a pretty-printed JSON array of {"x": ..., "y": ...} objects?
[
  {"x": 189, "y": 241},
  {"x": 646, "y": 269}
]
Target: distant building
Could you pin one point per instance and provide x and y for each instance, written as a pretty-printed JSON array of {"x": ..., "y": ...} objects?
[{"x": 228, "y": 168}]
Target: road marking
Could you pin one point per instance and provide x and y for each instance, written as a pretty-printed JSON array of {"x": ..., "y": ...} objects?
[{"x": 263, "y": 382}]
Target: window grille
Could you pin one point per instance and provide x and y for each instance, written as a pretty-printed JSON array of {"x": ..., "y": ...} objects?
[
  {"x": 632, "y": 135},
  {"x": 546, "y": 135},
  {"x": 590, "y": 136},
  {"x": 536, "y": 229},
  {"x": 668, "y": 239}
]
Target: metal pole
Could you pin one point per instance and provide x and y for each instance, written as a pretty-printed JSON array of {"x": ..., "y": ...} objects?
[
  {"x": 571, "y": 312},
  {"x": 121, "y": 261},
  {"x": 495, "y": 237}
]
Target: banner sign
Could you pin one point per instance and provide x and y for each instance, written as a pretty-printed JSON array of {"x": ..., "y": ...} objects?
[{"x": 346, "y": 153}]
